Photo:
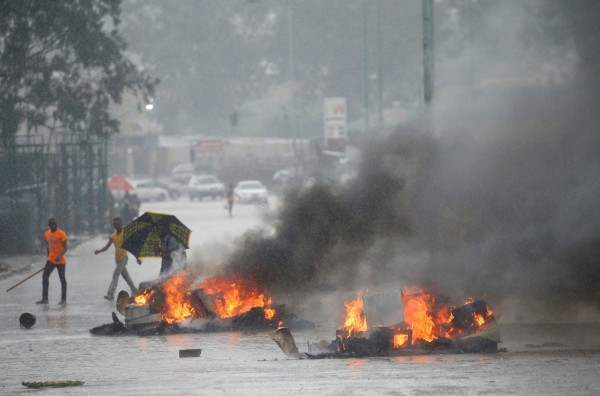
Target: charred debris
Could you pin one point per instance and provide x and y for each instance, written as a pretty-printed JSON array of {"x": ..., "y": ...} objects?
[
  {"x": 162, "y": 308},
  {"x": 426, "y": 328}
]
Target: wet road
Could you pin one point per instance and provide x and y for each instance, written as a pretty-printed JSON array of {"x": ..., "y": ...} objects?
[{"x": 59, "y": 346}]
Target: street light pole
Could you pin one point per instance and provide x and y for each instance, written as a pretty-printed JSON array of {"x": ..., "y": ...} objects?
[
  {"x": 292, "y": 77},
  {"x": 428, "y": 66},
  {"x": 380, "y": 73},
  {"x": 366, "y": 56}
]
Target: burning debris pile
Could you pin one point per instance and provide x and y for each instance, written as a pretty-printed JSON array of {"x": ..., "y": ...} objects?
[
  {"x": 409, "y": 323},
  {"x": 174, "y": 305}
]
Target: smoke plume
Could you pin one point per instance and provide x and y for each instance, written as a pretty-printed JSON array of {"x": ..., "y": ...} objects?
[{"x": 494, "y": 195}]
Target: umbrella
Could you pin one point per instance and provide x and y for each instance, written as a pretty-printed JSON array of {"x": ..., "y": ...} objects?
[
  {"x": 140, "y": 237},
  {"x": 119, "y": 183}
]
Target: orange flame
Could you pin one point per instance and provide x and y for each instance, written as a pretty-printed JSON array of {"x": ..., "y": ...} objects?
[
  {"x": 400, "y": 340},
  {"x": 356, "y": 321},
  {"x": 426, "y": 318},
  {"x": 417, "y": 313},
  {"x": 480, "y": 320},
  {"x": 269, "y": 313},
  {"x": 236, "y": 295},
  {"x": 144, "y": 298},
  {"x": 177, "y": 306}
]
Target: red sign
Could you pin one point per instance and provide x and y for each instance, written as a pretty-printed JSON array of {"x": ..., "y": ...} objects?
[{"x": 209, "y": 145}]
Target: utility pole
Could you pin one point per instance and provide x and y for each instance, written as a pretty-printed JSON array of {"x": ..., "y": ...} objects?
[
  {"x": 428, "y": 65},
  {"x": 366, "y": 44},
  {"x": 380, "y": 73},
  {"x": 290, "y": 21}
]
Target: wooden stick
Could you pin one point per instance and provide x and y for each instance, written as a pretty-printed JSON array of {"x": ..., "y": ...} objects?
[{"x": 29, "y": 277}]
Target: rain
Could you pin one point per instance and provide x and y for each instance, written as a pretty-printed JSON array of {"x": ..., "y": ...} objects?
[{"x": 319, "y": 153}]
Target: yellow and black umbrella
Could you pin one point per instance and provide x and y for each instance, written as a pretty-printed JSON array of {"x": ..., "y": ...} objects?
[{"x": 141, "y": 236}]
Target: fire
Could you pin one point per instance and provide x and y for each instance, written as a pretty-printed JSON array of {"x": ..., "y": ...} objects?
[
  {"x": 400, "y": 340},
  {"x": 356, "y": 321},
  {"x": 269, "y": 313},
  {"x": 479, "y": 319},
  {"x": 418, "y": 314},
  {"x": 236, "y": 295},
  {"x": 425, "y": 319},
  {"x": 177, "y": 306},
  {"x": 144, "y": 298},
  {"x": 228, "y": 296}
]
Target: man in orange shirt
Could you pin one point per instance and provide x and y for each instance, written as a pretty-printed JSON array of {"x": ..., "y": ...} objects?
[
  {"x": 120, "y": 259},
  {"x": 56, "y": 240}
]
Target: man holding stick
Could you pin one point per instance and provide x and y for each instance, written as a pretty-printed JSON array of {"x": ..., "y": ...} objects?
[{"x": 56, "y": 246}]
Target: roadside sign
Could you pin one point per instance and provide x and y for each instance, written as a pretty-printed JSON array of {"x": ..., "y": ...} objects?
[
  {"x": 209, "y": 146},
  {"x": 335, "y": 121}
]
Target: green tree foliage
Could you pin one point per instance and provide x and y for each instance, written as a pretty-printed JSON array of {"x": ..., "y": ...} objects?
[{"x": 62, "y": 65}]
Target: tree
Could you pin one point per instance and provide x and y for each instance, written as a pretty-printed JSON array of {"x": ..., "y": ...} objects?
[
  {"x": 63, "y": 64},
  {"x": 207, "y": 54}
]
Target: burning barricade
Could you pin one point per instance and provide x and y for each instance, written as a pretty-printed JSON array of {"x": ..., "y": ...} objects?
[
  {"x": 404, "y": 323},
  {"x": 174, "y": 305}
]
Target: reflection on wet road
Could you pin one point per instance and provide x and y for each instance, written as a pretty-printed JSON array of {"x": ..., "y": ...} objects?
[{"x": 59, "y": 346}]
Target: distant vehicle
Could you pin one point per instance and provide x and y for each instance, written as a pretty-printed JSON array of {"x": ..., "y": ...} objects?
[
  {"x": 248, "y": 191},
  {"x": 173, "y": 188},
  {"x": 182, "y": 172},
  {"x": 205, "y": 186},
  {"x": 147, "y": 190}
]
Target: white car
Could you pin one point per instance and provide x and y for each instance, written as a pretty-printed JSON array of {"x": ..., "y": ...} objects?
[
  {"x": 205, "y": 186},
  {"x": 182, "y": 172},
  {"x": 147, "y": 190},
  {"x": 248, "y": 191}
]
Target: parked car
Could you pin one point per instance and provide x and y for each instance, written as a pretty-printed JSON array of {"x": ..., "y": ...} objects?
[
  {"x": 248, "y": 191},
  {"x": 183, "y": 172},
  {"x": 147, "y": 190},
  {"x": 174, "y": 189},
  {"x": 205, "y": 186}
]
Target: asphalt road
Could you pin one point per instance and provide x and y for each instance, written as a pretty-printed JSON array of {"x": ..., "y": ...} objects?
[{"x": 543, "y": 359}]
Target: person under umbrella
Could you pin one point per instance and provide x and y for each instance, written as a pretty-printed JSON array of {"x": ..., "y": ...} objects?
[
  {"x": 158, "y": 235},
  {"x": 171, "y": 251}
]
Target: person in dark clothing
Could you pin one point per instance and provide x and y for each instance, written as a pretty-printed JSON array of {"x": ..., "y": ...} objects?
[
  {"x": 56, "y": 246},
  {"x": 229, "y": 197},
  {"x": 171, "y": 251}
]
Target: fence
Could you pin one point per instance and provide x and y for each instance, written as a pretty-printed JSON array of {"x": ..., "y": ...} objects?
[{"x": 66, "y": 180}]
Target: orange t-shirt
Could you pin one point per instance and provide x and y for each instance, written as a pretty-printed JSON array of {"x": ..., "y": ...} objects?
[{"x": 55, "y": 245}]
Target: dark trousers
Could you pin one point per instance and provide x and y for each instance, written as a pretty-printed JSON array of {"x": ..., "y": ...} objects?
[
  {"x": 63, "y": 280},
  {"x": 165, "y": 266}
]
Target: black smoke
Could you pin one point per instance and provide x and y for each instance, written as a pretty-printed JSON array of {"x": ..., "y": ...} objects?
[
  {"x": 323, "y": 233},
  {"x": 496, "y": 195}
]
